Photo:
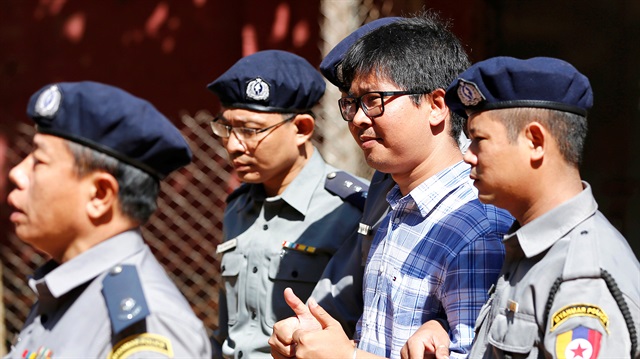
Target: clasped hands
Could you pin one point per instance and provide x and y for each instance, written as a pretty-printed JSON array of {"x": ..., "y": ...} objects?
[{"x": 313, "y": 333}]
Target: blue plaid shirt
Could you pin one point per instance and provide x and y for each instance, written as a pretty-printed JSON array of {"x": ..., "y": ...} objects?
[{"x": 436, "y": 255}]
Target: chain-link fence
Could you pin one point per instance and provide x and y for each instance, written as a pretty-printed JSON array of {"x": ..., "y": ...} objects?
[
  {"x": 183, "y": 233},
  {"x": 187, "y": 226}
]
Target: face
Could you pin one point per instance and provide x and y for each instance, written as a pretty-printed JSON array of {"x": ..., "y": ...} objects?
[
  {"x": 398, "y": 140},
  {"x": 270, "y": 156},
  {"x": 48, "y": 197},
  {"x": 498, "y": 167}
]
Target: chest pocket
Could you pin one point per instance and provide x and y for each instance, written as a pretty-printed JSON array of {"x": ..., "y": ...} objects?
[
  {"x": 514, "y": 333},
  {"x": 230, "y": 267},
  {"x": 298, "y": 270}
]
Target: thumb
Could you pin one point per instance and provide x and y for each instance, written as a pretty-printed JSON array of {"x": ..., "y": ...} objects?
[
  {"x": 295, "y": 303},
  {"x": 321, "y": 315}
]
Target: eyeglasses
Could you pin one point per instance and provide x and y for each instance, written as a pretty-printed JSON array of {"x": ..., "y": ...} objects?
[
  {"x": 371, "y": 103},
  {"x": 244, "y": 134}
]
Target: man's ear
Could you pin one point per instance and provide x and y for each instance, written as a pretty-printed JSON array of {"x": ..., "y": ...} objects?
[
  {"x": 537, "y": 138},
  {"x": 439, "y": 109},
  {"x": 305, "y": 124},
  {"x": 103, "y": 193}
]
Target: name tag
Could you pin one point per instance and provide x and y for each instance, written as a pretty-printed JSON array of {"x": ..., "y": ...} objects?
[{"x": 226, "y": 246}]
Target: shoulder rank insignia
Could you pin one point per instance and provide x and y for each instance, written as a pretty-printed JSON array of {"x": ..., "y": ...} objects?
[
  {"x": 347, "y": 187},
  {"x": 144, "y": 342},
  {"x": 580, "y": 342},
  {"x": 125, "y": 300}
]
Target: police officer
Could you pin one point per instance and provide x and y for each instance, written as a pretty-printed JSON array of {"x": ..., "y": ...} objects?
[
  {"x": 80, "y": 196},
  {"x": 292, "y": 213},
  {"x": 569, "y": 287}
]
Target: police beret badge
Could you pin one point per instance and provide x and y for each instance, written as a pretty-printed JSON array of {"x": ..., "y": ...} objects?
[
  {"x": 48, "y": 102},
  {"x": 258, "y": 89},
  {"x": 469, "y": 93}
]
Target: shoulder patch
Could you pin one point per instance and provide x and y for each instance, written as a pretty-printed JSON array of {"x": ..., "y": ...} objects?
[
  {"x": 579, "y": 310},
  {"x": 347, "y": 187},
  {"x": 141, "y": 343},
  {"x": 579, "y": 342},
  {"x": 244, "y": 188},
  {"x": 125, "y": 300}
]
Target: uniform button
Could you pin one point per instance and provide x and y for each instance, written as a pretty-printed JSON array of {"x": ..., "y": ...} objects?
[
  {"x": 116, "y": 270},
  {"x": 255, "y": 269},
  {"x": 265, "y": 227},
  {"x": 294, "y": 274},
  {"x": 240, "y": 354},
  {"x": 396, "y": 220},
  {"x": 332, "y": 175},
  {"x": 253, "y": 315}
]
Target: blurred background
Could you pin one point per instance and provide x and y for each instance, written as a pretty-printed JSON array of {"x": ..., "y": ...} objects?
[{"x": 167, "y": 51}]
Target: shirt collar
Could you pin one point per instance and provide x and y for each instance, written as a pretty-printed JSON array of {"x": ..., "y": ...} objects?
[
  {"x": 430, "y": 193},
  {"x": 540, "y": 234},
  {"x": 299, "y": 192},
  {"x": 57, "y": 280}
]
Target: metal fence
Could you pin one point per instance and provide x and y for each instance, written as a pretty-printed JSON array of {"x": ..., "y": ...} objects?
[
  {"x": 183, "y": 233},
  {"x": 187, "y": 226}
]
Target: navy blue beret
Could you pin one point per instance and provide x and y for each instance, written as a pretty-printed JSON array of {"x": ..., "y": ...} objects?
[
  {"x": 111, "y": 121},
  {"x": 506, "y": 82},
  {"x": 270, "y": 81},
  {"x": 329, "y": 65}
]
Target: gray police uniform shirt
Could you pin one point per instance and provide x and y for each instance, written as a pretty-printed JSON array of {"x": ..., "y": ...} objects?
[
  {"x": 112, "y": 301},
  {"x": 528, "y": 316},
  {"x": 278, "y": 242}
]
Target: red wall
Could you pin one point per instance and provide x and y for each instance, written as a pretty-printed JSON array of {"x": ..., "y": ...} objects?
[{"x": 163, "y": 51}]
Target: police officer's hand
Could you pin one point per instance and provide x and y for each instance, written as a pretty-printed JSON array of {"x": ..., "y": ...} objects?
[
  {"x": 281, "y": 340},
  {"x": 429, "y": 341}
]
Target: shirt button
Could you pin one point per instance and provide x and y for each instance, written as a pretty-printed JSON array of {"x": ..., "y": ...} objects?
[
  {"x": 240, "y": 354},
  {"x": 265, "y": 227},
  {"x": 396, "y": 220},
  {"x": 255, "y": 269}
]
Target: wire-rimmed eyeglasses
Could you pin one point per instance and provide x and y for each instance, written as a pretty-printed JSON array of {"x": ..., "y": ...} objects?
[
  {"x": 244, "y": 134},
  {"x": 371, "y": 103}
]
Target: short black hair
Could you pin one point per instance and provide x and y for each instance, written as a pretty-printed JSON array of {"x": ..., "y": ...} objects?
[{"x": 418, "y": 54}]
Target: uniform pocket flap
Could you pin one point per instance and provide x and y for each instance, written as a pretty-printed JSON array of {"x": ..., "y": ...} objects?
[
  {"x": 297, "y": 266},
  {"x": 515, "y": 333},
  {"x": 231, "y": 264}
]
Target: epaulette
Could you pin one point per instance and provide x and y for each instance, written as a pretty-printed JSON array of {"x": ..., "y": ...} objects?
[
  {"x": 125, "y": 300},
  {"x": 347, "y": 187},
  {"x": 244, "y": 188}
]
